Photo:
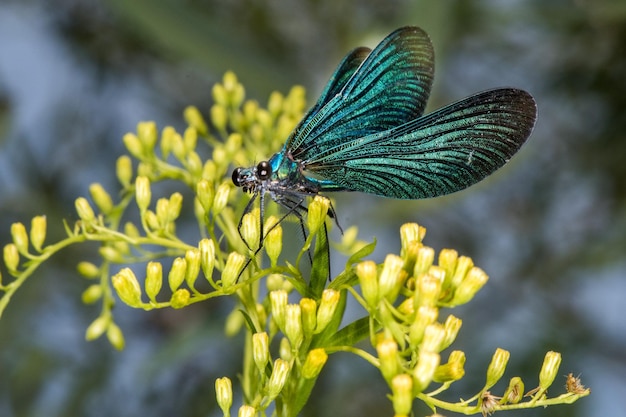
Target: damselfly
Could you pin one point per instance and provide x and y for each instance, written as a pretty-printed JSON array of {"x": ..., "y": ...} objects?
[{"x": 367, "y": 133}]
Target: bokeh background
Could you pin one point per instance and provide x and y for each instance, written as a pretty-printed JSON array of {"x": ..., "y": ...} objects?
[{"x": 549, "y": 228}]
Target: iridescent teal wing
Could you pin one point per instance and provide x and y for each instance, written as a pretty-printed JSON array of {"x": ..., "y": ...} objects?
[
  {"x": 389, "y": 88},
  {"x": 439, "y": 153},
  {"x": 346, "y": 69}
]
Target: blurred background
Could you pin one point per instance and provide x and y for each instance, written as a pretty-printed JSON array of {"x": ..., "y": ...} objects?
[{"x": 549, "y": 228}]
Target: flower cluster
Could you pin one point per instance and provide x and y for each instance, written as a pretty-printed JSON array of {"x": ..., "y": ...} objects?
[{"x": 296, "y": 321}]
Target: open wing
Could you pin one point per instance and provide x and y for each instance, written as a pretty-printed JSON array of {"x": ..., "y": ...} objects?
[
  {"x": 439, "y": 153},
  {"x": 345, "y": 70},
  {"x": 389, "y": 88}
]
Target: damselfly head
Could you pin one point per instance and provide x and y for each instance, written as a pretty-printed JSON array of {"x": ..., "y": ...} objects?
[{"x": 250, "y": 178}]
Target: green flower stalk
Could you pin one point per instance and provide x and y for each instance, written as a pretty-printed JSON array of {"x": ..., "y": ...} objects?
[{"x": 292, "y": 314}]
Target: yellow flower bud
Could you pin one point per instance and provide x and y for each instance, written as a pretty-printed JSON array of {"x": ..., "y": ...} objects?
[
  {"x": 147, "y": 134},
  {"x": 38, "y": 228},
  {"x": 230, "y": 81},
  {"x": 453, "y": 370},
  {"x": 162, "y": 208},
  {"x": 131, "y": 230},
  {"x": 133, "y": 145},
  {"x": 219, "y": 117},
  {"x": 275, "y": 103},
  {"x": 388, "y": 356},
  {"x": 426, "y": 315},
  {"x": 317, "y": 213},
  {"x": 219, "y": 95},
  {"x": 245, "y": 411},
  {"x": 115, "y": 336},
  {"x": 402, "y": 394},
  {"x": 434, "y": 335},
  {"x": 549, "y": 369},
  {"x": 194, "y": 118},
  {"x": 473, "y": 282},
  {"x": 427, "y": 291},
  {"x": 154, "y": 280},
  {"x": 88, "y": 270},
  {"x": 92, "y": 294},
  {"x": 177, "y": 272},
  {"x": 293, "y": 325},
  {"x": 425, "y": 369},
  {"x": 101, "y": 198},
  {"x": 221, "y": 198},
  {"x": 327, "y": 308},
  {"x": 452, "y": 327},
  {"x": 224, "y": 394},
  {"x": 124, "y": 170},
  {"x": 260, "y": 350},
  {"x": 178, "y": 147},
  {"x": 250, "y": 228},
  {"x": 234, "y": 323},
  {"x": 152, "y": 220},
  {"x": 111, "y": 254},
  {"x": 174, "y": 206},
  {"x": 295, "y": 101},
  {"x": 194, "y": 164},
  {"x": 97, "y": 328},
  {"x": 308, "y": 308},
  {"x": 143, "y": 194},
  {"x": 391, "y": 277},
  {"x": 463, "y": 266},
  {"x": 20, "y": 237},
  {"x": 278, "y": 303},
  {"x": 314, "y": 362},
  {"x": 84, "y": 210},
  {"x": 205, "y": 194},
  {"x": 237, "y": 96},
  {"x": 273, "y": 242},
  {"x": 410, "y": 233},
  {"x": 424, "y": 261},
  {"x": 192, "y": 257},
  {"x": 284, "y": 349},
  {"x": 127, "y": 287},
  {"x": 367, "y": 273},
  {"x": 233, "y": 143},
  {"x": 207, "y": 258},
  {"x": 167, "y": 143},
  {"x": 447, "y": 261},
  {"x": 180, "y": 298},
  {"x": 232, "y": 270},
  {"x": 278, "y": 378},
  {"x": 496, "y": 368}
]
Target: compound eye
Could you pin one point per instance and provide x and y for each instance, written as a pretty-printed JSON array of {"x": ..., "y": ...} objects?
[
  {"x": 236, "y": 177},
  {"x": 263, "y": 170}
]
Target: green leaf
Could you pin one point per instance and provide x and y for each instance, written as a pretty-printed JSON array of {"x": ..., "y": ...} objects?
[
  {"x": 361, "y": 253},
  {"x": 351, "y": 334}
]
